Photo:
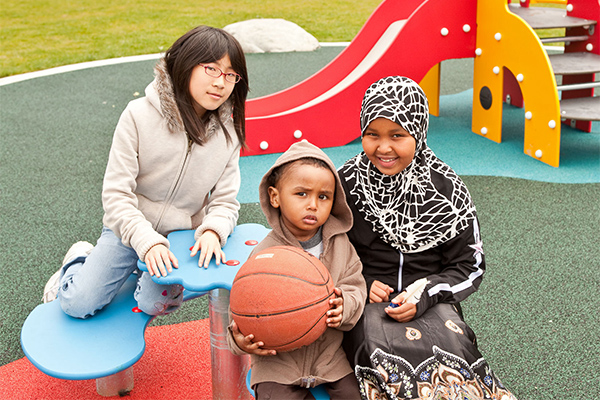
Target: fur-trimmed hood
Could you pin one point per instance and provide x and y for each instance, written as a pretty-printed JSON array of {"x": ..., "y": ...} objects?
[{"x": 160, "y": 94}]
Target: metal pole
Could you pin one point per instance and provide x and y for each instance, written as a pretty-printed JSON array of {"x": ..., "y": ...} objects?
[
  {"x": 228, "y": 371},
  {"x": 119, "y": 384}
]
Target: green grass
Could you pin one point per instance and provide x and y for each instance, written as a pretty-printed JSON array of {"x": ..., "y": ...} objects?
[{"x": 40, "y": 34}]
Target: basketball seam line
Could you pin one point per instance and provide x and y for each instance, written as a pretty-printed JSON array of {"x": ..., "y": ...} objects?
[
  {"x": 283, "y": 312},
  {"x": 283, "y": 275}
]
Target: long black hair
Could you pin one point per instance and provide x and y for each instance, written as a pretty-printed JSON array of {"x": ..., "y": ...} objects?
[{"x": 203, "y": 45}]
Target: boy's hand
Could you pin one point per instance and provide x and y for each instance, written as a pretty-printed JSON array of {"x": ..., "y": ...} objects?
[
  {"x": 334, "y": 316},
  {"x": 160, "y": 260},
  {"x": 246, "y": 343},
  {"x": 404, "y": 312},
  {"x": 208, "y": 243},
  {"x": 379, "y": 292}
]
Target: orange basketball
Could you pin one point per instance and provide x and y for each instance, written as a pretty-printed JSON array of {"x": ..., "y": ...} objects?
[{"x": 281, "y": 296}]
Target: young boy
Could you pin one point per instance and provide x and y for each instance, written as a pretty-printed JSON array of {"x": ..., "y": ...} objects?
[{"x": 303, "y": 200}]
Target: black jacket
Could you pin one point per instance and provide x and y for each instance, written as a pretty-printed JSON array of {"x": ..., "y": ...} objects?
[{"x": 454, "y": 268}]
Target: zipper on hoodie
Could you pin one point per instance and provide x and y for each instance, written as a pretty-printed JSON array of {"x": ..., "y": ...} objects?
[
  {"x": 171, "y": 194},
  {"x": 308, "y": 382},
  {"x": 308, "y": 355}
]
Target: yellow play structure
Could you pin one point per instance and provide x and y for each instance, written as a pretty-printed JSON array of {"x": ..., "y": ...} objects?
[
  {"x": 511, "y": 59},
  {"x": 506, "y": 41}
]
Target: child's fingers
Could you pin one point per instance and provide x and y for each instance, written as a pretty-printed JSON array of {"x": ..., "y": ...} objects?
[
  {"x": 247, "y": 344},
  {"x": 194, "y": 249},
  {"x": 243, "y": 341},
  {"x": 377, "y": 296},
  {"x": 334, "y": 316},
  {"x": 336, "y": 309},
  {"x": 403, "y": 317},
  {"x": 158, "y": 260},
  {"x": 202, "y": 262},
  {"x": 338, "y": 301},
  {"x": 150, "y": 266},
  {"x": 264, "y": 352},
  {"x": 235, "y": 329},
  {"x": 166, "y": 262},
  {"x": 158, "y": 267},
  {"x": 334, "y": 321},
  {"x": 220, "y": 256},
  {"x": 253, "y": 345},
  {"x": 399, "y": 299},
  {"x": 402, "y": 313},
  {"x": 208, "y": 245},
  {"x": 256, "y": 347},
  {"x": 173, "y": 260},
  {"x": 207, "y": 255},
  {"x": 379, "y": 292}
]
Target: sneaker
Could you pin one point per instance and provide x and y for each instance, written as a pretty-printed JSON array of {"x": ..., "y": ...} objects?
[{"x": 77, "y": 250}]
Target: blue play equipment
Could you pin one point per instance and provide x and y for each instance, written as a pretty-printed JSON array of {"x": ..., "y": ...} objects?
[
  {"x": 238, "y": 248},
  {"x": 70, "y": 348},
  {"x": 105, "y": 346}
]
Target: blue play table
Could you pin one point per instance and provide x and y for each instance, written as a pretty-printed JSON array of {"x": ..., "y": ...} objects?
[{"x": 108, "y": 344}]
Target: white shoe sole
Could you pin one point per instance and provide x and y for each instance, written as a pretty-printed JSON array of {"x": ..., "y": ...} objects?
[{"x": 77, "y": 250}]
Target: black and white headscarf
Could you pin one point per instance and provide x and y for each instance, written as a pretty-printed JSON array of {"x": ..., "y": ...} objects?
[{"x": 411, "y": 211}]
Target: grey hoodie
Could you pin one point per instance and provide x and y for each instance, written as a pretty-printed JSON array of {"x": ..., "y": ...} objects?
[
  {"x": 156, "y": 181},
  {"x": 324, "y": 360}
]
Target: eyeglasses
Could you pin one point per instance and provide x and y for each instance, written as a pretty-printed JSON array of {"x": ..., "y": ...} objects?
[{"x": 215, "y": 72}]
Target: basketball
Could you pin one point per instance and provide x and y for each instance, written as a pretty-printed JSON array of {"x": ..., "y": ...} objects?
[{"x": 281, "y": 296}]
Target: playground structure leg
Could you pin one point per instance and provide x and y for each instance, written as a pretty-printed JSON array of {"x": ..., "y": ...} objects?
[
  {"x": 228, "y": 371},
  {"x": 118, "y": 384}
]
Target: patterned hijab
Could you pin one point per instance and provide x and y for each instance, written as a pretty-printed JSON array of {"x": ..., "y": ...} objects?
[{"x": 424, "y": 205}]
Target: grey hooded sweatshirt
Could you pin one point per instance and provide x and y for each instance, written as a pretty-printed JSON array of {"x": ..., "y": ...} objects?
[{"x": 157, "y": 181}]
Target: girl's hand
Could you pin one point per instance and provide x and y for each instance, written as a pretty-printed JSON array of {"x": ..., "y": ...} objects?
[
  {"x": 247, "y": 344},
  {"x": 209, "y": 244},
  {"x": 404, "y": 312},
  {"x": 334, "y": 316},
  {"x": 160, "y": 260},
  {"x": 379, "y": 292}
]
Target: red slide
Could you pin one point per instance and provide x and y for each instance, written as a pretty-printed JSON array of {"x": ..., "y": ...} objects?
[{"x": 401, "y": 37}]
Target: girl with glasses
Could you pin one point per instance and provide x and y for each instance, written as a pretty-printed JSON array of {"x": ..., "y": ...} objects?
[{"x": 173, "y": 165}]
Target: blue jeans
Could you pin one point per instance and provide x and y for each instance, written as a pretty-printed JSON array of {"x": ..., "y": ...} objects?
[{"x": 89, "y": 283}]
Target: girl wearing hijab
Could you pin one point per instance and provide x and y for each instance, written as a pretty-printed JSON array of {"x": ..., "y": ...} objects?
[{"x": 417, "y": 235}]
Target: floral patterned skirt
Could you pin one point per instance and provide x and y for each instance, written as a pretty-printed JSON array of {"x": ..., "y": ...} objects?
[{"x": 434, "y": 357}]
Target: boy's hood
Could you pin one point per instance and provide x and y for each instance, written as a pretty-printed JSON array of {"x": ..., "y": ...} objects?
[{"x": 340, "y": 220}]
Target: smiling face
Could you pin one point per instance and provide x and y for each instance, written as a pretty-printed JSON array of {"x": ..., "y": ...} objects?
[
  {"x": 209, "y": 92},
  {"x": 304, "y": 196},
  {"x": 389, "y": 147}
]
